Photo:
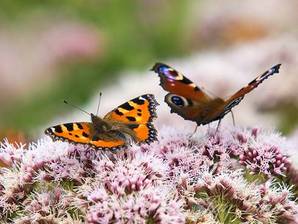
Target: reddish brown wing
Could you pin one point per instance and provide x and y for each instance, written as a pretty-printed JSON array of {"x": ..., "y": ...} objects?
[
  {"x": 185, "y": 98},
  {"x": 236, "y": 98},
  {"x": 191, "y": 110},
  {"x": 176, "y": 83},
  {"x": 190, "y": 102}
]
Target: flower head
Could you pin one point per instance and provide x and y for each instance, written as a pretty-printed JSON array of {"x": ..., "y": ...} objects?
[{"x": 211, "y": 177}]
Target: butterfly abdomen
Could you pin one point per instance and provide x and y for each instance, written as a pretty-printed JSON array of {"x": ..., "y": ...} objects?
[{"x": 211, "y": 112}]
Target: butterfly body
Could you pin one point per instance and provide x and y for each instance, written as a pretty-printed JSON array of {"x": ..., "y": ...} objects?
[
  {"x": 192, "y": 103},
  {"x": 109, "y": 130},
  {"x": 131, "y": 121}
]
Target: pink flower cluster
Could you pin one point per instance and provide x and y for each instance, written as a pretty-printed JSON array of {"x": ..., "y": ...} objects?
[{"x": 241, "y": 175}]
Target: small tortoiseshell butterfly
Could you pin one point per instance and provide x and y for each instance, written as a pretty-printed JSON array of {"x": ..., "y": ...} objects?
[
  {"x": 192, "y": 103},
  {"x": 129, "y": 121}
]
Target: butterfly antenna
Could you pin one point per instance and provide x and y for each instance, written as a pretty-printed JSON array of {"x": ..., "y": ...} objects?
[
  {"x": 100, "y": 94},
  {"x": 66, "y": 102}
]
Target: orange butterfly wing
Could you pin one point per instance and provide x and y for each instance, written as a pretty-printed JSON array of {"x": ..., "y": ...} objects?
[
  {"x": 138, "y": 114},
  {"x": 80, "y": 132}
]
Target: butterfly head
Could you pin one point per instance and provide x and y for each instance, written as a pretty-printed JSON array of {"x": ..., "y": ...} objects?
[
  {"x": 95, "y": 118},
  {"x": 100, "y": 124}
]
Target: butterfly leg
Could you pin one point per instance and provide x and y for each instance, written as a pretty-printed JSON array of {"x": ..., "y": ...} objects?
[
  {"x": 233, "y": 117},
  {"x": 218, "y": 125},
  {"x": 196, "y": 128}
]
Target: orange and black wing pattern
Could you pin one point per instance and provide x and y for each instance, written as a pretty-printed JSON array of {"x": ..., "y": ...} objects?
[
  {"x": 81, "y": 132},
  {"x": 138, "y": 114}
]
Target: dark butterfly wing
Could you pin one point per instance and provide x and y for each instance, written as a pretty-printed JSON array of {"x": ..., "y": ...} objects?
[
  {"x": 185, "y": 98},
  {"x": 192, "y": 103},
  {"x": 176, "y": 83},
  {"x": 193, "y": 111},
  {"x": 236, "y": 98}
]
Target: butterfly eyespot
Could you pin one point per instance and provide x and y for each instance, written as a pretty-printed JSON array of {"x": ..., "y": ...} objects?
[
  {"x": 172, "y": 74},
  {"x": 163, "y": 69},
  {"x": 167, "y": 71},
  {"x": 178, "y": 100}
]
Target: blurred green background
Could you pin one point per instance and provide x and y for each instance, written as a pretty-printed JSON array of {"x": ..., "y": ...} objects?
[
  {"x": 133, "y": 34},
  {"x": 52, "y": 50}
]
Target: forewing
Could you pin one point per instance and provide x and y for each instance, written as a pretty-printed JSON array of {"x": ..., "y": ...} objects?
[
  {"x": 81, "y": 132},
  {"x": 239, "y": 95},
  {"x": 76, "y": 132},
  {"x": 174, "y": 82}
]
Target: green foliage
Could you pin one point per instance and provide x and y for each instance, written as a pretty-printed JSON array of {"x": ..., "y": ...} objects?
[
  {"x": 255, "y": 178},
  {"x": 223, "y": 208},
  {"x": 68, "y": 185},
  {"x": 226, "y": 211},
  {"x": 289, "y": 119}
]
